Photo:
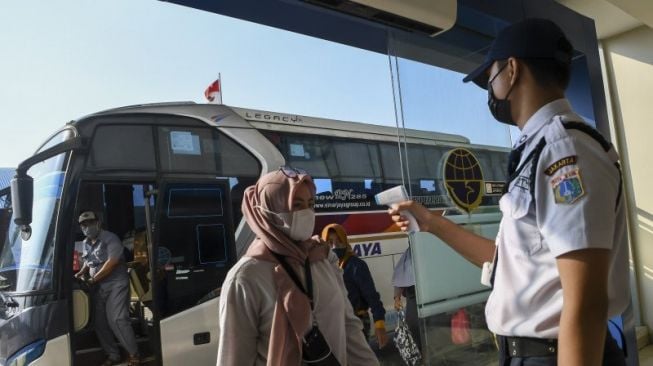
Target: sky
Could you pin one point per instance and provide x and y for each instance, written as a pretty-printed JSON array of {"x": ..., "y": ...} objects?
[{"x": 65, "y": 59}]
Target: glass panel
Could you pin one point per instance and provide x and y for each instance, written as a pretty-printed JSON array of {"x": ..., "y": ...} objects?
[
  {"x": 27, "y": 265},
  {"x": 195, "y": 242},
  {"x": 457, "y": 170}
]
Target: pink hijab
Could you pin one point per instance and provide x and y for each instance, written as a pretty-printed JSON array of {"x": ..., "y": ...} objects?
[{"x": 275, "y": 192}]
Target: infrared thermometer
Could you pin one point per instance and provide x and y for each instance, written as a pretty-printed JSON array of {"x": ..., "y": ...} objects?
[{"x": 393, "y": 196}]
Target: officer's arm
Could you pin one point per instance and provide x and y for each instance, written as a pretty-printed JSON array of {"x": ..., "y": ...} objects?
[
  {"x": 106, "y": 269},
  {"x": 584, "y": 278},
  {"x": 474, "y": 248}
]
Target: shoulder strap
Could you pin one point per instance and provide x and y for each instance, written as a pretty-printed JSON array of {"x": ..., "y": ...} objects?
[
  {"x": 307, "y": 271},
  {"x": 584, "y": 127},
  {"x": 605, "y": 144}
]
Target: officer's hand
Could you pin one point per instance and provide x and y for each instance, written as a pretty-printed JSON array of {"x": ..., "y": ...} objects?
[
  {"x": 79, "y": 274},
  {"x": 421, "y": 214},
  {"x": 398, "y": 304},
  {"x": 381, "y": 337}
]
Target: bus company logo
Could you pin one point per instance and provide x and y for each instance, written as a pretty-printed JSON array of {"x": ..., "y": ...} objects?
[
  {"x": 367, "y": 249},
  {"x": 463, "y": 179},
  {"x": 348, "y": 195},
  {"x": 273, "y": 117},
  {"x": 342, "y": 199}
]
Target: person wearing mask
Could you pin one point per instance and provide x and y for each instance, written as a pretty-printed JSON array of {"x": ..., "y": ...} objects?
[
  {"x": 358, "y": 281},
  {"x": 286, "y": 285},
  {"x": 104, "y": 268},
  {"x": 560, "y": 258}
]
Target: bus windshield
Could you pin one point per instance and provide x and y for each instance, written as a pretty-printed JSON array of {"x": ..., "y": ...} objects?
[{"x": 26, "y": 266}]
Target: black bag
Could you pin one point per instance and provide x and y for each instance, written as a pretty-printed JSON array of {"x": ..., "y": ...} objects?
[{"x": 315, "y": 349}]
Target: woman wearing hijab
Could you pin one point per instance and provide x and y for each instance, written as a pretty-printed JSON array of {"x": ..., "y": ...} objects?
[
  {"x": 358, "y": 281},
  {"x": 264, "y": 314}
]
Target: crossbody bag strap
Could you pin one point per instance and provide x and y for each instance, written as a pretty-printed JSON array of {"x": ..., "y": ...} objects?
[{"x": 307, "y": 272}]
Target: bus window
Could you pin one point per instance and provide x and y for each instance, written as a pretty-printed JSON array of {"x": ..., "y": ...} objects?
[
  {"x": 122, "y": 147},
  {"x": 311, "y": 153},
  {"x": 355, "y": 160},
  {"x": 188, "y": 149},
  {"x": 390, "y": 163}
]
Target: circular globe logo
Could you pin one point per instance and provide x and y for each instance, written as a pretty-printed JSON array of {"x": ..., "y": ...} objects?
[{"x": 463, "y": 179}]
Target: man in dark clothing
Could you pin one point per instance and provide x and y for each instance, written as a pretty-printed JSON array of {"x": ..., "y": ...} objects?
[{"x": 359, "y": 283}]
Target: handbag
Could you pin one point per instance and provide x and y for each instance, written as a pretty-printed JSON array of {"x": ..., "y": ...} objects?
[
  {"x": 315, "y": 349},
  {"x": 405, "y": 342}
]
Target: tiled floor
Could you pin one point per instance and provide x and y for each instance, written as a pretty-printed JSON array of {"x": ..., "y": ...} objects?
[{"x": 646, "y": 356}]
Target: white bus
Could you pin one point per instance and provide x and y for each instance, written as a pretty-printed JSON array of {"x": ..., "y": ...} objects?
[{"x": 169, "y": 179}]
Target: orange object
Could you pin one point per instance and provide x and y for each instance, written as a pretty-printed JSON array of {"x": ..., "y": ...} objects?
[{"x": 460, "y": 328}]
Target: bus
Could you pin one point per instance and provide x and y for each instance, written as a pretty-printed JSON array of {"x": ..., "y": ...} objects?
[{"x": 168, "y": 179}]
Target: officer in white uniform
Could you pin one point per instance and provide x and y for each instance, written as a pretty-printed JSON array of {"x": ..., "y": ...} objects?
[
  {"x": 105, "y": 264},
  {"x": 561, "y": 256}
]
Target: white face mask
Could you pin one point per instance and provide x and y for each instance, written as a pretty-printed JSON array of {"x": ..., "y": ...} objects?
[{"x": 298, "y": 225}]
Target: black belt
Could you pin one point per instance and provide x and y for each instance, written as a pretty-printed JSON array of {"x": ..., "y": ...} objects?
[{"x": 529, "y": 347}]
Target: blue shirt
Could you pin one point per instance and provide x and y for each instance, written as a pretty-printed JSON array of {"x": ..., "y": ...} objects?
[{"x": 360, "y": 288}]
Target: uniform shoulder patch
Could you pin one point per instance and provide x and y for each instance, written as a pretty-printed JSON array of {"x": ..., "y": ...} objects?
[
  {"x": 567, "y": 187},
  {"x": 568, "y": 160}
]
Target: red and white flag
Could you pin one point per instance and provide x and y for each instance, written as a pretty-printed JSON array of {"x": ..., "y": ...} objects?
[{"x": 213, "y": 92}]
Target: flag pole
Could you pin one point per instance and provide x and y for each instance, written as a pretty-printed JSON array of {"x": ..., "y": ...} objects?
[{"x": 220, "y": 83}]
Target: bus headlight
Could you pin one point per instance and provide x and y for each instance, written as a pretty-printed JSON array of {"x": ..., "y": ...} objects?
[{"x": 27, "y": 354}]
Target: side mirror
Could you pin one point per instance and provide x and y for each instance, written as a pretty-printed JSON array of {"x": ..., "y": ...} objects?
[{"x": 22, "y": 198}]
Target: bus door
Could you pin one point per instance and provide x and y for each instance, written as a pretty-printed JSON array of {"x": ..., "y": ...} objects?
[{"x": 194, "y": 248}]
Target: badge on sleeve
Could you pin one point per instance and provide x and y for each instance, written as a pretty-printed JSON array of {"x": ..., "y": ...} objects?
[
  {"x": 567, "y": 187},
  {"x": 569, "y": 160}
]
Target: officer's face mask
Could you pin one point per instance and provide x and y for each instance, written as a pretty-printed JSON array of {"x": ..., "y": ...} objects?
[
  {"x": 298, "y": 225},
  {"x": 91, "y": 231},
  {"x": 500, "y": 108}
]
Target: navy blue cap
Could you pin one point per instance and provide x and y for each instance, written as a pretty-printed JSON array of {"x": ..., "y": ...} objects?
[{"x": 528, "y": 38}]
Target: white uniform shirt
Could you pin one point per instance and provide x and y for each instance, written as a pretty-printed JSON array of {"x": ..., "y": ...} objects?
[
  {"x": 575, "y": 189},
  {"x": 247, "y": 305}
]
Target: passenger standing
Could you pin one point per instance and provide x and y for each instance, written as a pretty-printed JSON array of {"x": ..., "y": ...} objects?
[
  {"x": 561, "y": 262},
  {"x": 359, "y": 283},
  {"x": 403, "y": 281},
  {"x": 265, "y": 312},
  {"x": 105, "y": 264}
]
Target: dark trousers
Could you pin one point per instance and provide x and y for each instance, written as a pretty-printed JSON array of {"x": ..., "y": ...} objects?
[
  {"x": 412, "y": 319},
  {"x": 365, "y": 319},
  {"x": 612, "y": 356}
]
